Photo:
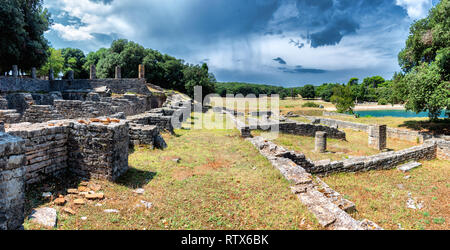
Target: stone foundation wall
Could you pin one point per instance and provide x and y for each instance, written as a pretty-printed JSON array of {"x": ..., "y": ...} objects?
[
  {"x": 71, "y": 109},
  {"x": 305, "y": 129},
  {"x": 443, "y": 149},
  {"x": 41, "y": 113},
  {"x": 45, "y": 149},
  {"x": 143, "y": 134},
  {"x": 386, "y": 160},
  {"x": 12, "y": 186},
  {"x": 9, "y": 116},
  {"x": 97, "y": 150},
  {"x": 401, "y": 134}
]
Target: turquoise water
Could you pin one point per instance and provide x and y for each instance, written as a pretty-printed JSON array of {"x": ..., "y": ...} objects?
[{"x": 395, "y": 113}]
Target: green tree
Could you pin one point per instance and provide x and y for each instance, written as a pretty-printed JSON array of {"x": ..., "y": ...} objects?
[
  {"x": 426, "y": 37},
  {"x": 308, "y": 91},
  {"x": 343, "y": 99},
  {"x": 427, "y": 90},
  {"x": 74, "y": 59},
  {"x": 55, "y": 61},
  {"x": 353, "y": 81},
  {"x": 22, "y": 27},
  {"x": 325, "y": 91},
  {"x": 425, "y": 60},
  {"x": 194, "y": 75}
]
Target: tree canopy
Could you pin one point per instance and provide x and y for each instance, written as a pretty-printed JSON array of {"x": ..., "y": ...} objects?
[
  {"x": 22, "y": 27},
  {"x": 425, "y": 61},
  {"x": 160, "y": 69}
]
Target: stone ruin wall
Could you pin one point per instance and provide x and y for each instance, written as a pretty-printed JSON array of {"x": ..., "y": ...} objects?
[
  {"x": 12, "y": 187},
  {"x": 400, "y": 134},
  {"x": 98, "y": 151},
  {"x": 443, "y": 149},
  {"x": 45, "y": 149},
  {"x": 35, "y": 100},
  {"x": 288, "y": 127},
  {"x": 387, "y": 160}
]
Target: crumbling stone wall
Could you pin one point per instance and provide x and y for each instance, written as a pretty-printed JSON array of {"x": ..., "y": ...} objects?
[
  {"x": 305, "y": 129},
  {"x": 146, "y": 135},
  {"x": 381, "y": 161},
  {"x": 12, "y": 168},
  {"x": 45, "y": 149},
  {"x": 443, "y": 149},
  {"x": 41, "y": 113},
  {"x": 401, "y": 134},
  {"x": 98, "y": 150},
  {"x": 10, "y": 116}
]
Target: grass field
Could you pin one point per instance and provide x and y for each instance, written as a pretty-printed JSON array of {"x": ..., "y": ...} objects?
[
  {"x": 381, "y": 196},
  {"x": 220, "y": 182}
]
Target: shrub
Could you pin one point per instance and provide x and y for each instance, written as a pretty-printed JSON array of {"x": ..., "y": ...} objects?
[
  {"x": 382, "y": 101},
  {"x": 310, "y": 105}
]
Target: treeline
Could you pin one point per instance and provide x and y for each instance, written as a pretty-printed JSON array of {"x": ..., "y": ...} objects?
[
  {"x": 160, "y": 69},
  {"x": 224, "y": 88},
  {"x": 371, "y": 89}
]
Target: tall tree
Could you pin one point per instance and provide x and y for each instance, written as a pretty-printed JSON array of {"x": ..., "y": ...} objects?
[
  {"x": 426, "y": 60},
  {"x": 343, "y": 99},
  {"x": 308, "y": 91},
  {"x": 22, "y": 27},
  {"x": 74, "y": 59},
  {"x": 55, "y": 61}
]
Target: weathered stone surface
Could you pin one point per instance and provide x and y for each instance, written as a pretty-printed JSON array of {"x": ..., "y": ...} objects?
[
  {"x": 12, "y": 184},
  {"x": 69, "y": 211},
  {"x": 139, "y": 191},
  {"x": 79, "y": 202},
  {"x": 408, "y": 166},
  {"x": 97, "y": 150},
  {"x": 60, "y": 201},
  {"x": 98, "y": 196},
  {"x": 321, "y": 142},
  {"x": 44, "y": 216},
  {"x": 377, "y": 136}
]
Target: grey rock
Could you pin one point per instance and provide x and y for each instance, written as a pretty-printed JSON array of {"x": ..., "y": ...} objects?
[
  {"x": 139, "y": 191},
  {"x": 408, "y": 166},
  {"x": 44, "y": 216}
]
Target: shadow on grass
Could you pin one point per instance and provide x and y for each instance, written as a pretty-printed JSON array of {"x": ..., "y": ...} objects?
[
  {"x": 441, "y": 126},
  {"x": 135, "y": 178}
]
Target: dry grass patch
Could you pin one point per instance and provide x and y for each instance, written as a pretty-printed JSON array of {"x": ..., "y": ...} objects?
[{"x": 381, "y": 196}]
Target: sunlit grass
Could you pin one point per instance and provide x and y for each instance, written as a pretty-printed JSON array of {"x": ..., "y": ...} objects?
[{"x": 381, "y": 196}]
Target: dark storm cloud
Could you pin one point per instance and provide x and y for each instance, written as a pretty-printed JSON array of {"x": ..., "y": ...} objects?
[
  {"x": 300, "y": 70},
  {"x": 279, "y": 60},
  {"x": 201, "y": 22},
  {"x": 219, "y": 31},
  {"x": 102, "y": 1}
]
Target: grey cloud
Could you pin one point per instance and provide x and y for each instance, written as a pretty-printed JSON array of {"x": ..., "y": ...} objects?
[
  {"x": 300, "y": 70},
  {"x": 279, "y": 60}
]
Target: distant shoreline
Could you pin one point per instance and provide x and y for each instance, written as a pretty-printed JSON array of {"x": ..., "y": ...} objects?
[{"x": 364, "y": 107}]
